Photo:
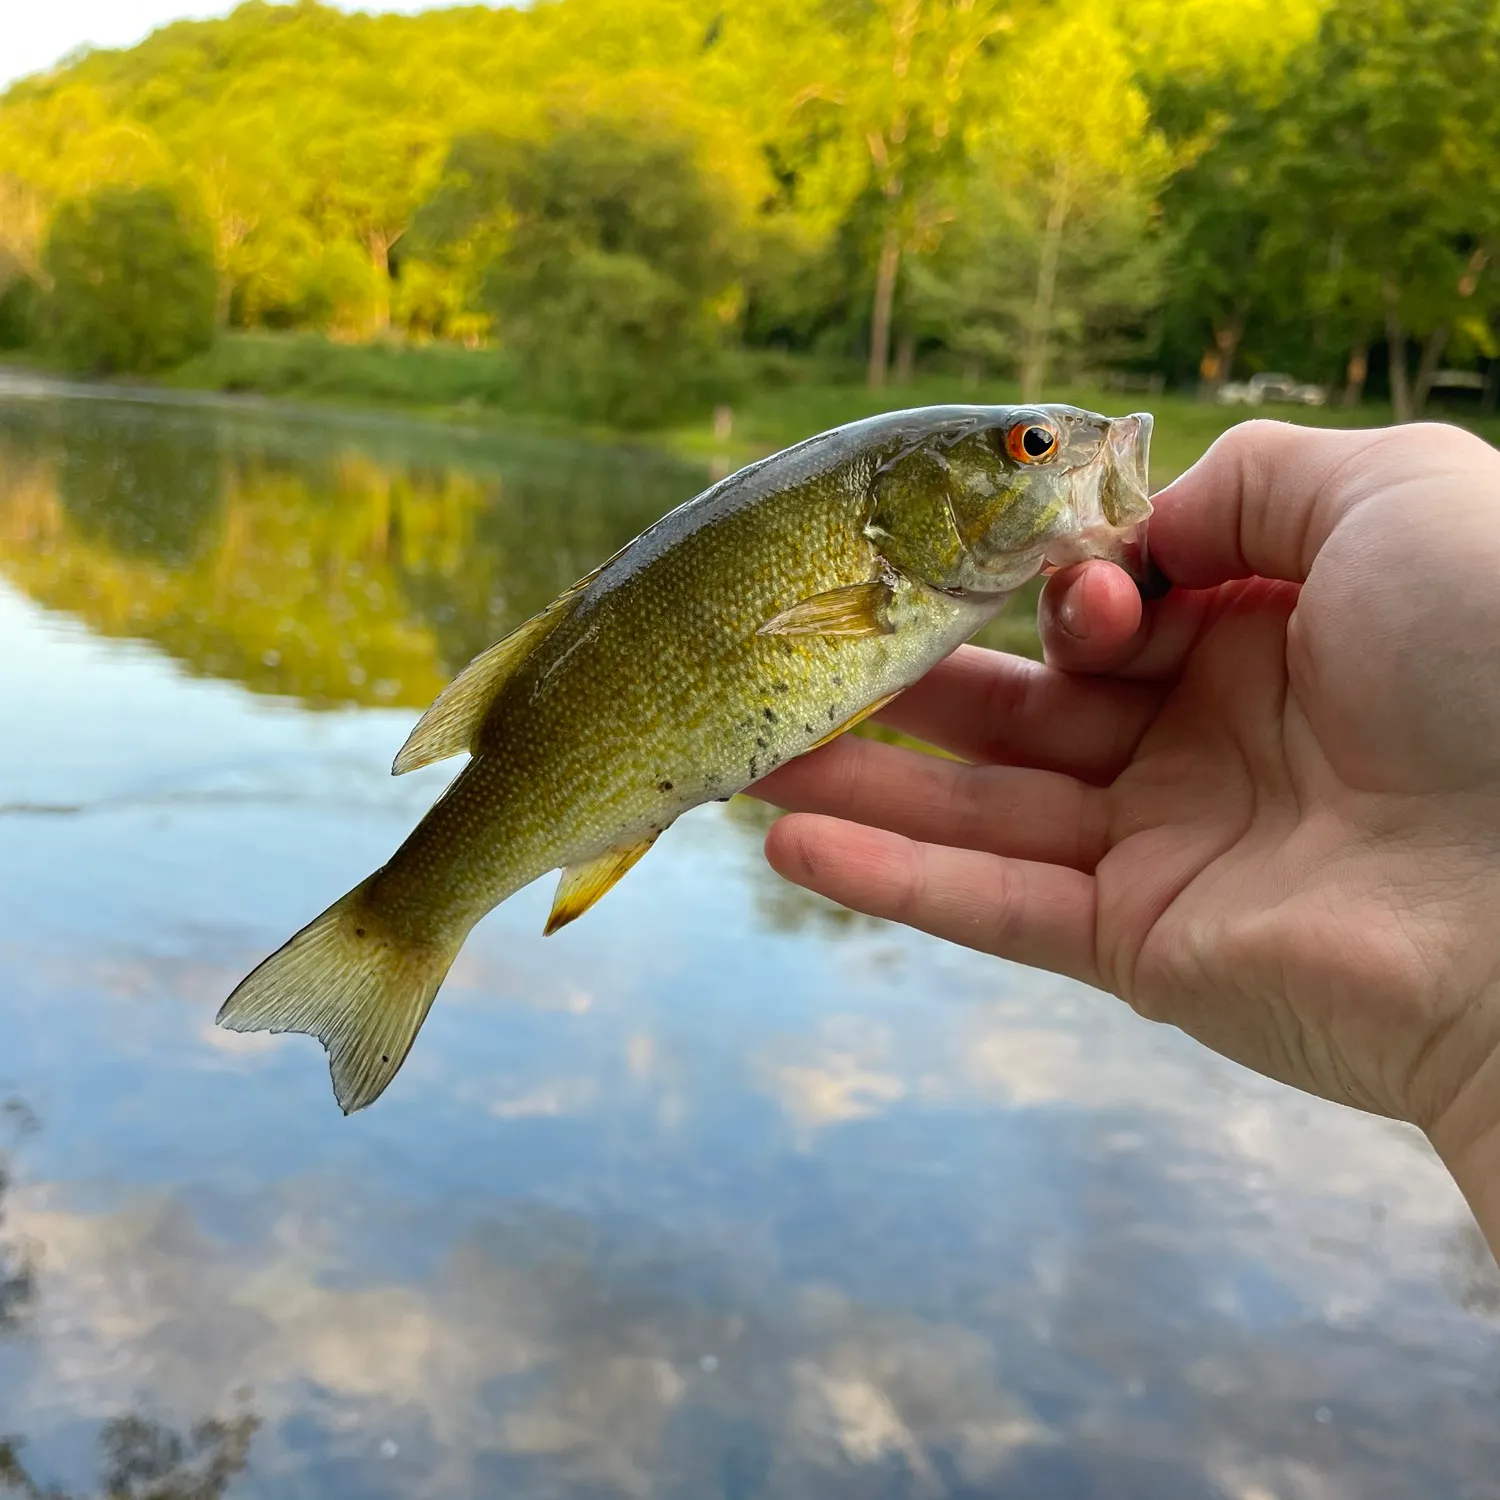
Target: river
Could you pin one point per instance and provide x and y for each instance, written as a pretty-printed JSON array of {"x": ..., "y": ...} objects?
[{"x": 722, "y": 1191}]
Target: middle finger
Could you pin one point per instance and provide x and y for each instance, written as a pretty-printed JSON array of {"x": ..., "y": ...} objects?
[{"x": 1024, "y": 814}]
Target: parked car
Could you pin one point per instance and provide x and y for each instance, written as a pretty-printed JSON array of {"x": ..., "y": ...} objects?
[{"x": 1273, "y": 387}]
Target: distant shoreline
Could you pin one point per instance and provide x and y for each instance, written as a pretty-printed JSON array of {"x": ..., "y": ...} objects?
[{"x": 293, "y": 378}]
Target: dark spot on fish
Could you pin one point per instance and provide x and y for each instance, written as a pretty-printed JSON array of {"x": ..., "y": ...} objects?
[
  {"x": 762, "y": 741},
  {"x": 664, "y": 786},
  {"x": 748, "y": 723},
  {"x": 385, "y": 1057},
  {"x": 782, "y": 687},
  {"x": 721, "y": 799},
  {"x": 770, "y": 716},
  {"x": 754, "y": 768},
  {"x": 809, "y": 729},
  {"x": 359, "y": 932},
  {"x": 833, "y": 713},
  {"x": 837, "y": 680}
]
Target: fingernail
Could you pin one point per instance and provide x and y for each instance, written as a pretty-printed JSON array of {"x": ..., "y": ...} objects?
[{"x": 1070, "y": 618}]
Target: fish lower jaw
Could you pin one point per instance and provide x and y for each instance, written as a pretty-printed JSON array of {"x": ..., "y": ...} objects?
[{"x": 1111, "y": 544}]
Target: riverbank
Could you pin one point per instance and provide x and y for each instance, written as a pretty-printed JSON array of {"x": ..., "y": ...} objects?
[{"x": 783, "y": 399}]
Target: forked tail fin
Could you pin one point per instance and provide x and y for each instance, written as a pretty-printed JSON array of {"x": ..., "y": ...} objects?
[{"x": 344, "y": 980}]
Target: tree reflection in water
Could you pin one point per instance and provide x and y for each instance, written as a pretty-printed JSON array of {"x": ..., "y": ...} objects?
[
  {"x": 142, "y": 1459},
  {"x": 17, "y": 1282},
  {"x": 146, "y": 1460}
]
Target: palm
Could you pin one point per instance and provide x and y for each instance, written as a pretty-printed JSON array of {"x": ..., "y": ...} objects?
[{"x": 1213, "y": 880}]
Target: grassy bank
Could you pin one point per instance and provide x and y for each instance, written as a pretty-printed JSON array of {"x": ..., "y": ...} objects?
[{"x": 783, "y": 399}]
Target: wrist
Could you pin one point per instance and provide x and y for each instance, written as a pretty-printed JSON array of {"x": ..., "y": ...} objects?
[{"x": 1467, "y": 1139}]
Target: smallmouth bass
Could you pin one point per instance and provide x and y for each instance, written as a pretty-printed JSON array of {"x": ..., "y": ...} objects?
[{"x": 757, "y": 621}]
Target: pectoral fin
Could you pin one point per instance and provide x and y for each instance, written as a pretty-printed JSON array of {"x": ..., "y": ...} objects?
[
  {"x": 858, "y": 609},
  {"x": 451, "y": 725},
  {"x": 582, "y": 885}
]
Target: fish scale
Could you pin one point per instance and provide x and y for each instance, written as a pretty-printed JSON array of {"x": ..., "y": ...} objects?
[{"x": 752, "y": 623}]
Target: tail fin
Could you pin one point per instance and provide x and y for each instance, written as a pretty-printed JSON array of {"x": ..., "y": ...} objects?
[{"x": 343, "y": 980}]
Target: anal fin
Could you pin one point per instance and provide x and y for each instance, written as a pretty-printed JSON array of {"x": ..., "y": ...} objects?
[
  {"x": 857, "y": 718},
  {"x": 857, "y": 609},
  {"x": 580, "y": 886}
]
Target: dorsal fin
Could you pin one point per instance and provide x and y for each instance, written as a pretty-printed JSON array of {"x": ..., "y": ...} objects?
[{"x": 451, "y": 724}]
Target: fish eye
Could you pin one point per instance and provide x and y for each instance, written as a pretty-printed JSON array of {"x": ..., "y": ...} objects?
[{"x": 1032, "y": 442}]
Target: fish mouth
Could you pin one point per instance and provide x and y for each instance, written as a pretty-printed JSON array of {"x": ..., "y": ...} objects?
[
  {"x": 1113, "y": 502},
  {"x": 1125, "y": 495}
]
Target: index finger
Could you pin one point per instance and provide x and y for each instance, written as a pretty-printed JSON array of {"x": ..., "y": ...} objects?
[{"x": 995, "y": 709}]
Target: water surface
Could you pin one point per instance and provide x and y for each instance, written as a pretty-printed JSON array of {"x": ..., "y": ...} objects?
[{"x": 720, "y": 1192}]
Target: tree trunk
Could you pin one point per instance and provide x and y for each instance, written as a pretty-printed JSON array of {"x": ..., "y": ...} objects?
[
  {"x": 1491, "y": 397},
  {"x": 880, "y": 312},
  {"x": 1354, "y": 374},
  {"x": 1427, "y": 366},
  {"x": 380, "y": 258},
  {"x": 222, "y": 296},
  {"x": 1395, "y": 337},
  {"x": 906, "y": 356},
  {"x": 1039, "y": 333},
  {"x": 1217, "y": 364}
]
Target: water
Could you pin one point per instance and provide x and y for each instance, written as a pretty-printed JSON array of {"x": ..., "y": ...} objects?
[{"x": 720, "y": 1192}]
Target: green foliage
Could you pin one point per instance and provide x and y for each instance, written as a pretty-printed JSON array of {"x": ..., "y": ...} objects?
[
  {"x": 307, "y": 364},
  {"x": 611, "y": 266},
  {"x": 620, "y": 193},
  {"x": 20, "y": 310},
  {"x": 132, "y": 277}
]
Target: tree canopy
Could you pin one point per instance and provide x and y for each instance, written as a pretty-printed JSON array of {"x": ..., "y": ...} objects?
[{"x": 618, "y": 191}]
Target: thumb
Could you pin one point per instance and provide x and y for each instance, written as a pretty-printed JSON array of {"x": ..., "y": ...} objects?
[{"x": 1265, "y": 498}]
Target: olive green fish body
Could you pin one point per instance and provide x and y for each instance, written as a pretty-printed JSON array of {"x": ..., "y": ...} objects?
[
  {"x": 744, "y": 628},
  {"x": 658, "y": 694}
]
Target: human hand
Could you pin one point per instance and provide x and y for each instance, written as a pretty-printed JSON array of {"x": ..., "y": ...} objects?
[{"x": 1272, "y": 815}]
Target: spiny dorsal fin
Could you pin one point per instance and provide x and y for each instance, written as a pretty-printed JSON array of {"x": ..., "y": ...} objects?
[
  {"x": 582, "y": 885},
  {"x": 858, "y": 609},
  {"x": 451, "y": 724}
]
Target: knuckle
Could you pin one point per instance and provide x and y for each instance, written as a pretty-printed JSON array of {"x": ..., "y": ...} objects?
[
  {"x": 1010, "y": 693},
  {"x": 908, "y": 886}
]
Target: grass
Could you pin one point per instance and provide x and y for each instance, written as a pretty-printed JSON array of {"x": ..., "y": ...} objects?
[
  {"x": 420, "y": 376},
  {"x": 785, "y": 399},
  {"x": 1185, "y": 425}
]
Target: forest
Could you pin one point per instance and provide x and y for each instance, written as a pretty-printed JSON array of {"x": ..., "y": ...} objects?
[{"x": 632, "y": 208}]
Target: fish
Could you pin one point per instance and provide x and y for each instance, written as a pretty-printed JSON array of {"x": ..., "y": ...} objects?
[{"x": 757, "y": 621}]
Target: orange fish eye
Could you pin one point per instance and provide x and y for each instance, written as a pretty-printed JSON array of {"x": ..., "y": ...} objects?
[{"x": 1032, "y": 442}]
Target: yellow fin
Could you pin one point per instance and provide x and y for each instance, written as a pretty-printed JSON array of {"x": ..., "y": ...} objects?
[
  {"x": 344, "y": 981},
  {"x": 450, "y": 725},
  {"x": 849, "y": 723},
  {"x": 857, "y": 609},
  {"x": 582, "y": 885}
]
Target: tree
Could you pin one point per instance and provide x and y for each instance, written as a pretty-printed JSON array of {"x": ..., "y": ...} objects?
[
  {"x": 146, "y": 1460},
  {"x": 907, "y": 86},
  {"x": 613, "y": 265},
  {"x": 1219, "y": 211},
  {"x": 1389, "y": 149},
  {"x": 20, "y": 299},
  {"x": 1072, "y": 164},
  {"x": 133, "y": 283}
]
